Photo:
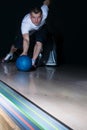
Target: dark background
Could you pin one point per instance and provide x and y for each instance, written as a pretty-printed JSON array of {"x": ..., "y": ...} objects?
[{"x": 66, "y": 21}]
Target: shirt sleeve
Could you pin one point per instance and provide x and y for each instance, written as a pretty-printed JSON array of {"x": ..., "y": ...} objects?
[
  {"x": 24, "y": 28},
  {"x": 45, "y": 10},
  {"x": 25, "y": 25}
]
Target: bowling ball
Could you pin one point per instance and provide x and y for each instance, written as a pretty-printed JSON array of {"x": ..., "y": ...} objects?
[{"x": 24, "y": 63}]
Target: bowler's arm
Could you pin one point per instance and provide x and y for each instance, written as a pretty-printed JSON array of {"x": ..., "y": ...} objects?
[{"x": 25, "y": 44}]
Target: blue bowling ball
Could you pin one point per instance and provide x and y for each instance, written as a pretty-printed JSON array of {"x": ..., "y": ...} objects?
[{"x": 23, "y": 63}]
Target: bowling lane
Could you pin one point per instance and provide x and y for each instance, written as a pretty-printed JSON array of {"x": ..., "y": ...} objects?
[{"x": 61, "y": 91}]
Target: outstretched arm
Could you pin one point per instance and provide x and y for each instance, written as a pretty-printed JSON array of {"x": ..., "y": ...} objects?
[
  {"x": 25, "y": 44},
  {"x": 46, "y": 2}
]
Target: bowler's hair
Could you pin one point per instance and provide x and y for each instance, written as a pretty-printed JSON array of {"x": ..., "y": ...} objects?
[{"x": 36, "y": 10}]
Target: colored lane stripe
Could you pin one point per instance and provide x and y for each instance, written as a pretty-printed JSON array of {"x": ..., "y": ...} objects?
[
  {"x": 32, "y": 110},
  {"x": 17, "y": 107},
  {"x": 16, "y": 113},
  {"x": 8, "y": 107}
]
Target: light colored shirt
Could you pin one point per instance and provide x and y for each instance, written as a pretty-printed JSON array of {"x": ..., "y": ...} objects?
[{"x": 27, "y": 25}]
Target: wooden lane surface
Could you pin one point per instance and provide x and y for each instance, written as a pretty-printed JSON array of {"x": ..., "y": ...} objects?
[{"x": 6, "y": 123}]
